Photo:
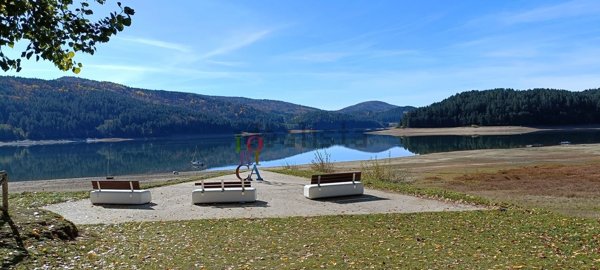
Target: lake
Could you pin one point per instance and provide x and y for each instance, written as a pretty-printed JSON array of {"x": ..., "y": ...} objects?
[{"x": 165, "y": 155}]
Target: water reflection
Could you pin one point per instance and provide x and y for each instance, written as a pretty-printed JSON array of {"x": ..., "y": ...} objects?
[
  {"x": 435, "y": 144},
  {"x": 166, "y": 155}
]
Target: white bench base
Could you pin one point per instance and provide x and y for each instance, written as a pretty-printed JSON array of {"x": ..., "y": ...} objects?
[
  {"x": 117, "y": 196},
  {"x": 313, "y": 191},
  {"x": 229, "y": 195}
]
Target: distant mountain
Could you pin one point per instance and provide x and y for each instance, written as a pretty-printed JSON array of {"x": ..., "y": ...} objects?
[
  {"x": 324, "y": 120},
  {"x": 498, "y": 107},
  {"x": 394, "y": 115},
  {"x": 379, "y": 111},
  {"x": 372, "y": 106},
  {"x": 78, "y": 108}
]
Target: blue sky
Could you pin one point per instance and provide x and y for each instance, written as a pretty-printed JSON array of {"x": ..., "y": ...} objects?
[{"x": 331, "y": 54}]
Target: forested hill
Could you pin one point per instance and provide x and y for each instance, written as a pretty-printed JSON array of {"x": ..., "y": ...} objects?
[
  {"x": 377, "y": 110},
  {"x": 373, "y": 106},
  {"x": 68, "y": 108},
  {"x": 497, "y": 107}
]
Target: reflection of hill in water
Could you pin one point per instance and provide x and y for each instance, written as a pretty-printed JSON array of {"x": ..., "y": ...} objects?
[
  {"x": 434, "y": 144},
  {"x": 356, "y": 141},
  {"x": 165, "y": 155}
]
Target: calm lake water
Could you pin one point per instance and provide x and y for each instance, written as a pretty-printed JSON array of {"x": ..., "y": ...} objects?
[{"x": 166, "y": 155}]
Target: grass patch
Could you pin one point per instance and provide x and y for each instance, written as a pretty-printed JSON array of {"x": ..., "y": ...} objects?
[
  {"x": 33, "y": 200},
  {"x": 479, "y": 239},
  {"x": 32, "y": 231},
  {"x": 295, "y": 172}
]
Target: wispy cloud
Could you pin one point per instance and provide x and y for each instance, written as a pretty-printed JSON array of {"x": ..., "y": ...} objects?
[
  {"x": 225, "y": 63},
  {"x": 321, "y": 57},
  {"x": 366, "y": 45},
  {"x": 552, "y": 12},
  {"x": 160, "y": 44},
  {"x": 124, "y": 68},
  {"x": 237, "y": 43},
  {"x": 334, "y": 56}
]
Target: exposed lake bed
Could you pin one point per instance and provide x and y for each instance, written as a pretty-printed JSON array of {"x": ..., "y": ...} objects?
[{"x": 480, "y": 130}]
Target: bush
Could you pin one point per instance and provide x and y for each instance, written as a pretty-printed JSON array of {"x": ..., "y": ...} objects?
[
  {"x": 374, "y": 170},
  {"x": 322, "y": 162}
]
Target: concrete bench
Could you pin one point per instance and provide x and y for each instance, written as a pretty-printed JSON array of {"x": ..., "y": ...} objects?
[
  {"x": 224, "y": 192},
  {"x": 118, "y": 192},
  {"x": 334, "y": 185}
]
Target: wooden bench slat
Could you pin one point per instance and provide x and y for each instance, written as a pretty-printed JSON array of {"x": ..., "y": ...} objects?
[
  {"x": 115, "y": 184},
  {"x": 225, "y": 184},
  {"x": 335, "y": 177}
]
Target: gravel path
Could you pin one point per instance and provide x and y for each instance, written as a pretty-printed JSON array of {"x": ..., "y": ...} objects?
[{"x": 278, "y": 196}]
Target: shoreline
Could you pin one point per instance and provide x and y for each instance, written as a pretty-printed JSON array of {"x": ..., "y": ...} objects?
[
  {"x": 419, "y": 163},
  {"x": 26, "y": 143},
  {"x": 400, "y": 132},
  {"x": 478, "y": 131}
]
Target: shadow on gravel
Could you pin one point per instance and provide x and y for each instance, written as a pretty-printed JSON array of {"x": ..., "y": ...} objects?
[
  {"x": 268, "y": 183},
  {"x": 236, "y": 205},
  {"x": 353, "y": 199},
  {"x": 148, "y": 206}
]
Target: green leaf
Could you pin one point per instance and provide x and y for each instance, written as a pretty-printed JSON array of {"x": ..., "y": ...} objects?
[
  {"x": 76, "y": 70},
  {"x": 70, "y": 55},
  {"x": 128, "y": 11}
]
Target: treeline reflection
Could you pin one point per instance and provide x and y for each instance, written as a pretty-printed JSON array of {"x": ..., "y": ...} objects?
[
  {"x": 174, "y": 154},
  {"x": 165, "y": 155},
  {"x": 435, "y": 144}
]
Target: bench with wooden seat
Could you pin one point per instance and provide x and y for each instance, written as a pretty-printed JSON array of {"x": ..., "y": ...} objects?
[
  {"x": 118, "y": 192},
  {"x": 334, "y": 185},
  {"x": 224, "y": 192}
]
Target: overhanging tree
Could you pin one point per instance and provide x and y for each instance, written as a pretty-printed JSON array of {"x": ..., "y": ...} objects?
[{"x": 56, "y": 30}]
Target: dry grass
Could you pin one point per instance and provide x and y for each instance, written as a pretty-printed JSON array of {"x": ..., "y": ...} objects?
[
  {"x": 322, "y": 162},
  {"x": 376, "y": 169},
  {"x": 572, "y": 189},
  {"x": 544, "y": 180}
]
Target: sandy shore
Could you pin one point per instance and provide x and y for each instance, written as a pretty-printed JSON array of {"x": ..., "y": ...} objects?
[{"x": 471, "y": 131}]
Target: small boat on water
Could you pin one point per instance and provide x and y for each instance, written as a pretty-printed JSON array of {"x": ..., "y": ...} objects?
[
  {"x": 534, "y": 145},
  {"x": 565, "y": 143},
  {"x": 197, "y": 163}
]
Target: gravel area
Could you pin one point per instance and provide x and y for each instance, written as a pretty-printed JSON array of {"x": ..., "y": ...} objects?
[{"x": 278, "y": 196}]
